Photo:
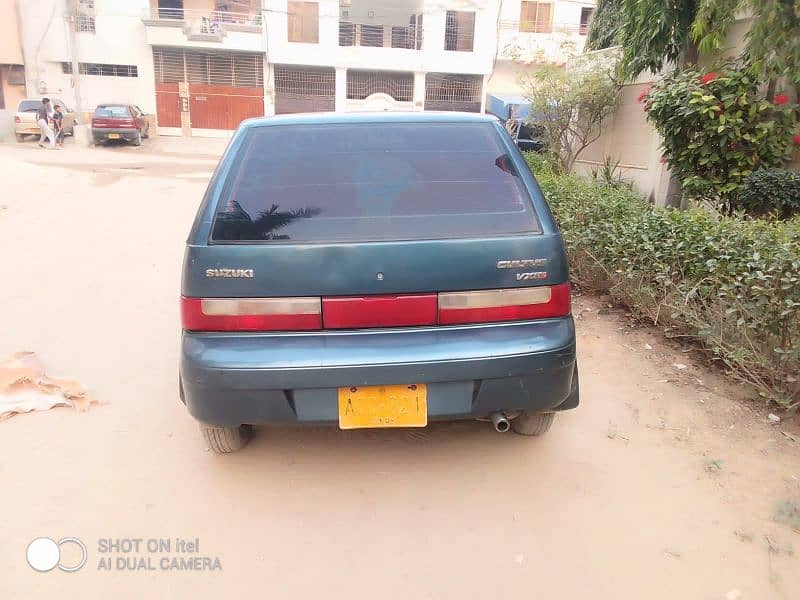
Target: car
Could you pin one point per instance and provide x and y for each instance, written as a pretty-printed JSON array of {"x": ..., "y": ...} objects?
[
  {"x": 119, "y": 122},
  {"x": 374, "y": 270},
  {"x": 25, "y": 118}
]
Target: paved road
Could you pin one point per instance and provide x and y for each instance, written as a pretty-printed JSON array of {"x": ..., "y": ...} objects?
[{"x": 638, "y": 494}]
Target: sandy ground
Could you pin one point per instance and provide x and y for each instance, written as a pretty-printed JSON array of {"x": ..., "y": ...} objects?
[{"x": 663, "y": 484}]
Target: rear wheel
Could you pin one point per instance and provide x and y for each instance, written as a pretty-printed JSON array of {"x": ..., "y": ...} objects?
[
  {"x": 146, "y": 133},
  {"x": 533, "y": 423},
  {"x": 137, "y": 141},
  {"x": 20, "y": 137},
  {"x": 224, "y": 440}
]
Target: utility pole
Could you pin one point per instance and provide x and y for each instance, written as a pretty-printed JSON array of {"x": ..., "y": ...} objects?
[{"x": 72, "y": 16}]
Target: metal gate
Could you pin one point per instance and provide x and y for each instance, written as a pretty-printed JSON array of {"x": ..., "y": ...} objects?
[
  {"x": 304, "y": 89},
  {"x": 224, "y": 88},
  {"x": 448, "y": 91}
]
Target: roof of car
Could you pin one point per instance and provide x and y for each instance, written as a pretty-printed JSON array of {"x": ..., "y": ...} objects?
[{"x": 370, "y": 117}]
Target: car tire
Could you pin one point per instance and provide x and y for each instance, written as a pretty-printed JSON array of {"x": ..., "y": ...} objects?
[
  {"x": 97, "y": 142},
  {"x": 146, "y": 134},
  {"x": 137, "y": 141},
  {"x": 224, "y": 440},
  {"x": 20, "y": 137},
  {"x": 533, "y": 423}
]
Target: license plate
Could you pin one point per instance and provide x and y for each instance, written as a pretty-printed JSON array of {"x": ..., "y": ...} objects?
[
  {"x": 383, "y": 406},
  {"x": 113, "y": 136}
]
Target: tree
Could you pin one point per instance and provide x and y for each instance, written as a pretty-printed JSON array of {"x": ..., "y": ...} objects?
[
  {"x": 606, "y": 25},
  {"x": 572, "y": 107}
]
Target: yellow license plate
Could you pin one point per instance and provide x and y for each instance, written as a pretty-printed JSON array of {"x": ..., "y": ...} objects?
[
  {"x": 383, "y": 406},
  {"x": 113, "y": 136}
]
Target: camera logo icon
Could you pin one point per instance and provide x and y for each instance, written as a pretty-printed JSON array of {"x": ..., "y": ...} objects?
[{"x": 44, "y": 554}]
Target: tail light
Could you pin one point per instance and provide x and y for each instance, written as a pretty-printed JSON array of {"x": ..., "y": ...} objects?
[
  {"x": 17, "y": 119},
  {"x": 519, "y": 304},
  {"x": 251, "y": 314},
  {"x": 127, "y": 124},
  {"x": 308, "y": 314}
]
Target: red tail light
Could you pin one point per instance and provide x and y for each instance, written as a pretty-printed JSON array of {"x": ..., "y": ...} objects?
[
  {"x": 379, "y": 311},
  {"x": 251, "y": 314},
  {"x": 520, "y": 304},
  {"x": 307, "y": 314},
  {"x": 17, "y": 119}
]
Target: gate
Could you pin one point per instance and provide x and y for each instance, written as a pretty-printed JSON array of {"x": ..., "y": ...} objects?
[{"x": 224, "y": 87}]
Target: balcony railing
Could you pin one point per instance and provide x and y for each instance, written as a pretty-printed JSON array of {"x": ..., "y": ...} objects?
[
  {"x": 208, "y": 22},
  {"x": 408, "y": 37}
]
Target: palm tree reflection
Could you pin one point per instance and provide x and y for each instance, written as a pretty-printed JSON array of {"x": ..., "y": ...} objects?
[{"x": 236, "y": 224}]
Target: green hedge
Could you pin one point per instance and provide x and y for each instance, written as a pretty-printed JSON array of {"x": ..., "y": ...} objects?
[{"x": 731, "y": 284}]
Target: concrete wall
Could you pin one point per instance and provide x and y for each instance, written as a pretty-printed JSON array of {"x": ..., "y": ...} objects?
[
  {"x": 119, "y": 38},
  {"x": 10, "y": 43}
]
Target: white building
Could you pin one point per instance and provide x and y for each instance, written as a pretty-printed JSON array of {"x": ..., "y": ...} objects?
[{"x": 201, "y": 66}]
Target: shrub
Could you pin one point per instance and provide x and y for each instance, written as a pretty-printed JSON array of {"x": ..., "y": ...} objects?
[
  {"x": 731, "y": 284},
  {"x": 771, "y": 191},
  {"x": 717, "y": 129}
]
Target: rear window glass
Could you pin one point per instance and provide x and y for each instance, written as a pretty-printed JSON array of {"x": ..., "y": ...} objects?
[
  {"x": 29, "y": 105},
  {"x": 372, "y": 182},
  {"x": 112, "y": 112}
]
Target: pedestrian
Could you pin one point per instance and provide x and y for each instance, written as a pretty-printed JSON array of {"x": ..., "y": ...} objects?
[
  {"x": 58, "y": 125},
  {"x": 42, "y": 119}
]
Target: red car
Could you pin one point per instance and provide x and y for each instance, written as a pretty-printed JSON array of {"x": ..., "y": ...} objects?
[{"x": 119, "y": 122}]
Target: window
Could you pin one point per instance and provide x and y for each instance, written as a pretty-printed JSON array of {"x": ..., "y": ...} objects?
[
  {"x": 459, "y": 33},
  {"x": 112, "y": 112},
  {"x": 372, "y": 182},
  {"x": 451, "y": 91},
  {"x": 536, "y": 17},
  {"x": 102, "y": 70},
  {"x": 587, "y": 12},
  {"x": 371, "y": 35},
  {"x": 303, "y": 22},
  {"x": 84, "y": 16}
]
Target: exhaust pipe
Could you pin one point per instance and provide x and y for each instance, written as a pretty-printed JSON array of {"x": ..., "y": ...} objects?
[{"x": 500, "y": 422}]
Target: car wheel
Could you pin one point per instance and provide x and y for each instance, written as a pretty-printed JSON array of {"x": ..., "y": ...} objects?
[
  {"x": 224, "y": 440},
  {"x": 146, "y": 134},
  {"x": 20, "y": 137},
  {"x": 137, "y": 141},
  {"x": 97, "y": 141},
  {"x": 533, "y": 423}
]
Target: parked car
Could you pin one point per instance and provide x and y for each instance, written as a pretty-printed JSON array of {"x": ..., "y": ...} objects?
[
  {"x": 119, "y": 122},
  {"x": 374, "y": 270},
  {"x": 25, "y": 118}
]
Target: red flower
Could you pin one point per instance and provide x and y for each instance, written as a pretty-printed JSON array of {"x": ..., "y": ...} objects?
[
  {"x": 781, "y": 99},
  {"x": 708, "y": 77},
  {"x": 796, "y": 139},
  {"x": 643, "y": 96},
  {"x": 733, "y": 145}
]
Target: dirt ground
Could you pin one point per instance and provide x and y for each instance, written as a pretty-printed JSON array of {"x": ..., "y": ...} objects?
[{"x": 663, "y": 484}]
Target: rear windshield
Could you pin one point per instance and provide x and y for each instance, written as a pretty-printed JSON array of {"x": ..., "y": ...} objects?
[
  {"x": 29, "y": 105},
  {"x": 372, "y": 182},
  {"x": 112, "y": 112}
]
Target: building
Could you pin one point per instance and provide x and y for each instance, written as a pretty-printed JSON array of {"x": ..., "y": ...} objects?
[
  {"x": 201, "y": 66},
  {"x": 12, "y": 70}
]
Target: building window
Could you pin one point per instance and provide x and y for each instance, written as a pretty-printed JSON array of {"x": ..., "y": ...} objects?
[
  {"x": 536, "y": 17},
  {"x": 362, "y": 84},
  {"x": 84, "y": 16},
  {"x": 303, "y": 22},
  {"x": 102, "y": 70},
  {"x": 587, "y": 12},
  {"x": 304, "y": 89},
  {"x": 459, "y": 33}
]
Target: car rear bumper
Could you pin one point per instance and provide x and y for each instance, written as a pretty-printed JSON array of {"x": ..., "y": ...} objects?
[
  {"x": 27, "y": 129},
  {"x": 102, "y": 135},
  {"x": 470, "y": 371}
]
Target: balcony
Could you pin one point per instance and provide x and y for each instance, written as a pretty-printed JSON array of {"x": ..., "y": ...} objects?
[
  {"x": 371, "y": 35},
  {"x": 198, "y": 27}
]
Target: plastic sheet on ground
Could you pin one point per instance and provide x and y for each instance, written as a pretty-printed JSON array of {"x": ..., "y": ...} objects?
[{"x": 25, "y": 387}]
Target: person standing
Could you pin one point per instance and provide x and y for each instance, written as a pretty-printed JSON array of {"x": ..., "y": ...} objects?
[
  {"x": 58, "y": 125},
  {"x": 42, "y": 119}
]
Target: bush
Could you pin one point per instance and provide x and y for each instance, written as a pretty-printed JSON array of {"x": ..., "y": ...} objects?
[
  {"x": 717, "y": 129},
  {"x": 771, "y": 191},
  {"x": 731, "y": 284}
]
